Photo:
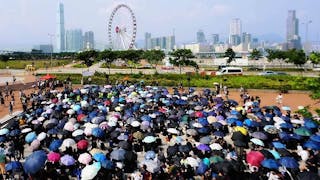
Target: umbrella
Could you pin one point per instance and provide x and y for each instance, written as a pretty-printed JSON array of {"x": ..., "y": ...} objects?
[
  {"x": 97, "y": 132},
  {"x": 205, "y": 140},
  {"x": 257, "y": 141},
  {"x": 302, "y": 131},
  {"x": 35, "y": 144},
  {"x": 135, "y": 124},
  {"x": 150, "y": 155},
  {"x": 278, "y": 145},
  {"x": 90, "y": 171},
  {"x": 173, "y": 131},
  {"x": 312, "y": 145},
  {"x": 310, "y": 124},
  {"x": 172, "y": 150},
  {"x": 123, "y": 137},
  {"x": 216, "y": 146},
  {"x": 138, "y": 135},
  {"x": 286, "y": 125},
  {"x": 192, "y": 132},
  {"x": 259, "y": 135},
  {"x": 289, "y": 162},
  {"x": 192, "y": 162},
  {"x": 13, "y": 165},
  {"x": 149, "y": 139},
  {"x": 35, "y": 162},
  {"x": 241, "y": 129},
  {"x": 95, "y": 151},
  {"x": 271, "y": 129},
  {"x": 55, "y": 144},
  {"x": 315, "y": 138},
  {"x": 67, "y": 160},
  {"x": 15, "y": 132},
  {"x": 54, "y": 157},
  {"x": 77, "y": 132},
  {"x": 203, "y": 147},
  {"x": 275, "y": 154},
  {"x": 53, "y": 131},
  {"x": 286, "y": 108},
  {"x": 47, "y": 77},
  {"x": 184, "y": 148},
  {"x": 197, "y": 125},
  {"x": 152, "y": 166},
  {"x": 68, "y": 142},
  {"x": 217, "y": 125},
  {"x": 118, "y": 154},
  {"x": 41, "y": 136},
  {"x": 30, "y": 137},
  {"x": 270, "y": 164},
  {"x": 85, "y": 158},
  {"x": 216, "y": 159},
  {"x": 4, "y": 131},
  {"x": 125, "y": 145},
  {"x": 218, "y": 133},
  {"x": 254, "y": 158},
  {"x": 69, "y": 126},
  {"x": 100, "y": 157},
  {"x": 82, "y": 144}
]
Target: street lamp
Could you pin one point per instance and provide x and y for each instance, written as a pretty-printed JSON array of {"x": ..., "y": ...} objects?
[{"x": 51, "y": 36}]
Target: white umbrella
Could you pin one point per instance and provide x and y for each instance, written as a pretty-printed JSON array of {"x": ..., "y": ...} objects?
[
  {"x": 173, "y": 131},
  {"x": 77, "y": 132},
  {"x": 149, "y": 139},
  {"x": 69, "y": 126},
  {"x": 103, "y": 125},
  {"x": 41, "y": 136},
  {"x": 216, "y": 146},
  {"x": 70, "y": 111},
  {"x": 296, "y": 121},
  {"x": 26, "y": 130},
  {"x": 197, "y": 125},
  {"x": 135, "y": 124},
  {"x": 85, "y": 158},
  {"x": 152, "y": 165},
  {"x": 257, "y": 141},
  {"x": 192, "y": 162},
  {"x": 90, "y": 171},
  {"x": 68, "y": 142},
  {"x": 41, "y": 118},
  {"x": 4, "y": 131},
  {"x": 84, "y": 104},
  {"x": 84, "y": 91}
]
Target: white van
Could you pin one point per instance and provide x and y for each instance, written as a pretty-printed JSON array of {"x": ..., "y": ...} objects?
[{"x": 229, "y": 71}]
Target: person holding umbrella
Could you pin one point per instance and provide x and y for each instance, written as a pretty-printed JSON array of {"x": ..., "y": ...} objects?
[{"x": 2, "y": 161}]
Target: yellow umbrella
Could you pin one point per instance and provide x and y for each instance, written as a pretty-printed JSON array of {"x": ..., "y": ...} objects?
[
  {"x": 95, "y": 151},
  {"x": 242, "y": 130},
  {"x": 211, "y": 119},
  {"x": 239, "y": 108}
]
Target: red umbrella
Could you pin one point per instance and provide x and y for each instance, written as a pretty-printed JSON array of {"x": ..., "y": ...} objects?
[
  {"x": 47, "y": 77},
  {"x": 80, "y": 117},
  {"x": 82, "y": 144},
  {"x": 54, "y": 157},
  {"x": 254, "y": 158},
  {"x": 198, "y": 114}
]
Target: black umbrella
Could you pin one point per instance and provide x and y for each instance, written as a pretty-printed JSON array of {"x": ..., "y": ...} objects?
[
  {"x": 114, "y": 134},
  {"x": 224, "y": 166},
  {"x": 130, "y": 156},
  {"x": 308, "y": 175},
  {"x": 172, "y": 150},
  {"x": 125, "y": 145},
  {"x": 184, "y": 148},
  {"x": 267, "y": 154},
  {"x": 240, "y": 143},
  {"x": 238, "y": 136},
  {"x": 284, "y": 152}
]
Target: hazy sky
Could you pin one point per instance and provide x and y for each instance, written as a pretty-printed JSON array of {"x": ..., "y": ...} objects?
[{"x": 24, "y": 23}]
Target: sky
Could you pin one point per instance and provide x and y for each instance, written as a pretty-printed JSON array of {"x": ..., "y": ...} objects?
[{"x": 24, "y": 23}]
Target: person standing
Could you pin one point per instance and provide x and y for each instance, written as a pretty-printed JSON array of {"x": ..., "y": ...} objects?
[
  {"x": 279, "y": 99},
  {"x": 10, "y": 108}
]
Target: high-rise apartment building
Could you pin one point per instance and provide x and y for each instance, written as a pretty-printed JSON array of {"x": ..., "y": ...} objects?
[
  {"x": 74, "y": 41},
  {"x": 88, "y": 40},
  {"x": 201, "y": 38},
  {"x": 164, "y": 43},
  {"x": 293, "y": 38},
  {"x": 235, "y": 31},
  {"x": 215, "y": 38},
  {"x": 60, "y": 34},
  {"x": 147, "y": 41}
]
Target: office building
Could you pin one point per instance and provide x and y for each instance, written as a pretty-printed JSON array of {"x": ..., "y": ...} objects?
[
  {"x": 88, "y": 40},
  {"x": 46, "y": 48},
  {"x": 74, "y": 41},
  {"x": 215, "y": 38},
  {"x": 166, "y": 43},
  {"x": 201, "y": 38},
  {"x": 60, "y": 33},
  {"x": 147, "y": 41},
  {"x": 235, "y": 31},
  {"x": 170, "y": 42},
  {"x": 293, "y": 38}
]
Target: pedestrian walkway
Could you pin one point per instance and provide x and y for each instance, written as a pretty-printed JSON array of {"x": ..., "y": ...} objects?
[{"x": 8, "y": 117}]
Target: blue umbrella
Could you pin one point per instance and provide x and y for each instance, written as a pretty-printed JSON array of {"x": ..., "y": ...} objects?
[
  {"x": 13, "y": 165},
  {"x": 315, "y": 138},
  {"x": 203, "y": 147},
  {"x": 4, "y": 131},
  {"x": 275, "y": 154},
  {"x": 203, "y": 121},
  {"x": 100, "y": 157},
  {"x": 3, "y": 138},
  {"x": 217, "y": 125},
  {"x": 150, "y": 155},
  {"x": 118, "y": 154},
  {"x": 53, "y": 131},
  {"x": 15, "y": 132},
  {"x": 284, "y": 136},
  {"x": 312, "y": 145},
  {"x": 239, "y": 123},
  {"x": 204, "y": 130},
  {"x": 278, "y": 145},
  {"x": 202, "y": 168},
  {"x": 97, "y": 132},
  {"x": 218, "y": 133},
  {"x": 146, "y": 118},
  {"x": 303, "y": 131},
  {"x": 270, "y": 164},
  {"x": 286, "y": 125},
  {"x": 250, "y": 123},
  {"x": 310, "y": 124},
  {"x": 35, "y": 162},
  {"x": 231, "y": 120},
  {"x": 289, "y": 162},
  {"x": 30, "y": 137},
  {"x": 67, "y": 160},
  {"x": 259, "y": 135},
  {"x": 55, "y": 144}
]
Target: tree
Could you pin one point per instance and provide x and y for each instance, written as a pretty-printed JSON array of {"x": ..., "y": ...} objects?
[
  {"x": 108, "y": 56},
  {"x": 314, "y": 58},
  {"x": 87, "y": 57},
  {"x": 276, "y": 54},
  {"x": 181, "y": 57},
  {"x": 153, "y": 56},
  {"x": 230, "y": 54},
  {"x": 297, "y": 57},
  {"x": 5, "y": 59},
  {"x": 255, "y": 54}
]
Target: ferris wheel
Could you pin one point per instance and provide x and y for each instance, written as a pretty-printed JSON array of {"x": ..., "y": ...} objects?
[{"x": 122, "y": 28}]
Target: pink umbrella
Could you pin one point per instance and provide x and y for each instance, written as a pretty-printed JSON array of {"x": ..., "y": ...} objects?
[
  {"x": 35, "y": 144},
  {"x": 68, "y": 126},
  {"x": 254, "y": 158},
  {"x": 85, "y": 158},
  {"x": 54, "y": 157},
  {"x": 199, "y": 114}
]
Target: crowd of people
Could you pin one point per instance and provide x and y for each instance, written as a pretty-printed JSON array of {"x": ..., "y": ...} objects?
[{"x": 133, "y": 131}]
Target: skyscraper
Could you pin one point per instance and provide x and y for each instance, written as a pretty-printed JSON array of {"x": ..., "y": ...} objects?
[
  {"x": 293, "y": 38},
  {"x": 60, "y": 34},
  {"x": 74, "y": 41},
  {"x": 215, "y": 38},
  {"x": 235, "y": 31},
  {"x": 201, "y": 38},
  {"x": 147, "y": 41},
  {"x": 88, "y": 40}
]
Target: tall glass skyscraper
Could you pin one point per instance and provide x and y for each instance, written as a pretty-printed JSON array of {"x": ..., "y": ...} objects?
[
  {"x": 235, "y": 32},
  {"x": 293, "y": 38},
  {"x": 60, "y": 34},
  {"x": 74, "y": 41},
  {"x": 88, "y": 40}
]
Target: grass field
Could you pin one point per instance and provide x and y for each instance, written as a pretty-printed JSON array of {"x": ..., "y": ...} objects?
[{"x": 21, "y": 64}]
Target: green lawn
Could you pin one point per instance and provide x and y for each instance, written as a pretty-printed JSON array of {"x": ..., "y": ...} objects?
[{"x": 21, "y": 64}]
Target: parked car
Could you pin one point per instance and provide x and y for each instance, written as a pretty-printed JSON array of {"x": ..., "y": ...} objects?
[{"x": 270, "y": 73}]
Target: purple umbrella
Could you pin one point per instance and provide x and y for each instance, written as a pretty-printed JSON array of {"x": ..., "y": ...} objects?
[
  {"x": 67, "y": 160},
  {"x": 203, "y": 147}
]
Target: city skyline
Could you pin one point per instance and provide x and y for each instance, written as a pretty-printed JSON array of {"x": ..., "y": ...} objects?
[{"x": 28, "y": 24}]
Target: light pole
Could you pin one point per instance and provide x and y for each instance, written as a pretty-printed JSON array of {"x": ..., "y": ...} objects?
[{"x": 51, "y": 36}]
